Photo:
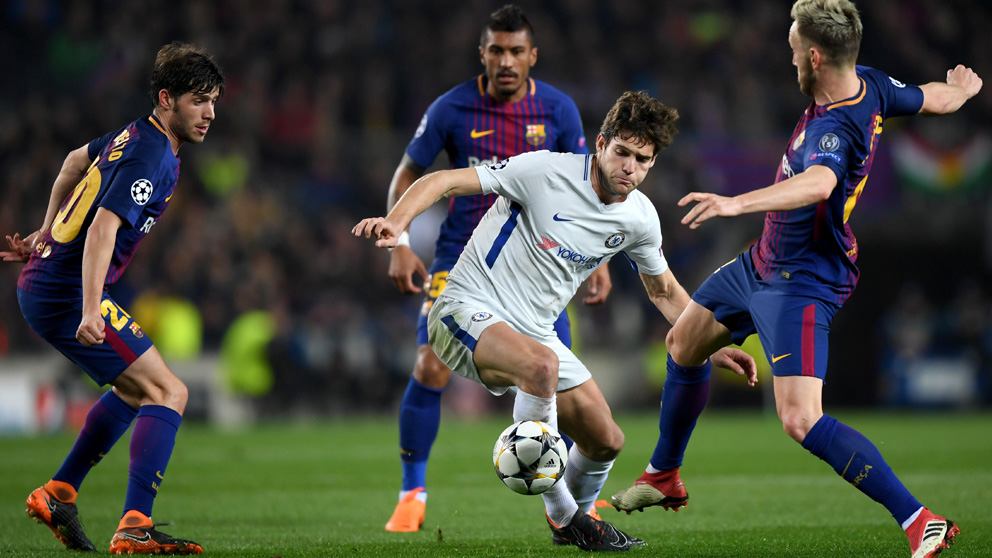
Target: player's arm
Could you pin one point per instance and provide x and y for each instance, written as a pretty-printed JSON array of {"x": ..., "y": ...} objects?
[
  {"x": 671, "y": 299},
  {"x": 101, "y": 236},
  {"x": 947, "y": 97},
  {"x": 813, "y": 185},
  {"x": 73, "y": 168},
  {"x": 420, "y": 196},
  {"x": 666, "y": 294},
  {"x": 403, "y": 262}
]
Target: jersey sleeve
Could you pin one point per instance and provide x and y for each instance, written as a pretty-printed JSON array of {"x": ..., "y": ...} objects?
[
  {"x": 94, "y": 147},
  {"x": 510, "y": 177},
  {"x": 829, "y": 145},
  {"x": 572, "y": 138},
  {"x": 645, "y": 252},
  {"x": 900, "y": 99},
  {"x": 133, "y": 185},
  {"x": 430, "y": 137}
]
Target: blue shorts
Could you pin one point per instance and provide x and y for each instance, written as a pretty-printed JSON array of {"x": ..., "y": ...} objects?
[
  {"x": 437, "y": 280},
  {"x": 793, "y": 328},
  {"x": 57, "y": 320}
]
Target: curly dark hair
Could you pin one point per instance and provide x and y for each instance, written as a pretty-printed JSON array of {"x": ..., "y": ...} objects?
[
  {"x": 183, "y": 67},
  {"x": 509, "y": 18},
  {"x": 638, "y": 116}
]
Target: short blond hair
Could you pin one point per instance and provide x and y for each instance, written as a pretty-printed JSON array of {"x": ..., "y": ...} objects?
[{"x": 832, "y": 25}]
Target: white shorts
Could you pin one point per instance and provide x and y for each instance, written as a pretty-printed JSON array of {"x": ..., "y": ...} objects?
[{"x": 454, "y": 327}]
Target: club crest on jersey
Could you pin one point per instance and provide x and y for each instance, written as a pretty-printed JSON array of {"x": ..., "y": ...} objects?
[
  {"x": 141, "y": 191},
  {"x": 615, "y": 239},
  {"x": 481, "y": 316},
  {"x": 799, "y": 140},
  {"x": 829, "y": 142},
  {"x": 535, "y": 134},
  {"x": 136, "y": 330}
]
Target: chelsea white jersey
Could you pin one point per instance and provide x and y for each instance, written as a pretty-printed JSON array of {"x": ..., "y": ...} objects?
[{"x": 546, "y": 234}]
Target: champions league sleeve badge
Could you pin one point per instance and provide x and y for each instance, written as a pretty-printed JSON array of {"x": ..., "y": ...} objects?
[{"x": 141, "y": 191}]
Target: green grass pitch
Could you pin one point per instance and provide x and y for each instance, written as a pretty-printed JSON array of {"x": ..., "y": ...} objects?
[{"x": 327, "y": 488}]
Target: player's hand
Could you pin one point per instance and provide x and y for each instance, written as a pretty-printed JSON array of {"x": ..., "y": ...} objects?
[
  {"x": 736, "y": 361},
  {"x": 20, "y": 249},
  {"x": 403, "y": 263},
  {"x": 965, "y": 78},
  {"x": 707, "y": 206},
  {"x": 90, "y": 331},
  {"x": 599, "y": 285},
  {"x": 385, "y": 232}
]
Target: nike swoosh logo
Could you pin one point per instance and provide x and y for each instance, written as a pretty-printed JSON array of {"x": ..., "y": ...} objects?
[
  {"x": 562, "y": 219},
  {"x": 476, "y": 135},
  {"x": 49, "y": 502},
  {"x": 778, "y": 358},
  {"x": 145, "y": 537}
]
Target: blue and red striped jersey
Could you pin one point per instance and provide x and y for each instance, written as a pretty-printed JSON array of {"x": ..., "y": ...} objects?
[
  {"x": 134, "y": 173},
  {"x": 475, "y": 129},
  {"x": 812, "y": 249}
]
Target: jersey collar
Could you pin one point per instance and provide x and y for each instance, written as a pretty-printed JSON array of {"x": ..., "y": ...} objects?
[{"x": 481, "y": 83}]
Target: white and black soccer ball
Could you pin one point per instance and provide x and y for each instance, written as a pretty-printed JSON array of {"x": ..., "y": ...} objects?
[{"x": 530, "y": 457}]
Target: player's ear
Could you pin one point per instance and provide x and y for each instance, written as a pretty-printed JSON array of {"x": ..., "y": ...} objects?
[
  {"x": 600, "y": 142},
  {"x": 165, "y": 100},
  {"x": 533, "y": 56}
]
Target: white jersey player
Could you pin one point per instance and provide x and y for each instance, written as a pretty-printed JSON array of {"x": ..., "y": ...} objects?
[
  {"x": 542, "y": 238},
  {"x": 558, "y": 218}
]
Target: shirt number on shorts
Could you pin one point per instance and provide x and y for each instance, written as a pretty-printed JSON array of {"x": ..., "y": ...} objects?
[{"x": 118, "y": 317}]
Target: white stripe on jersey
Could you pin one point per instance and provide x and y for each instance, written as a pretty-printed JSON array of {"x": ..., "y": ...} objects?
[{"x": 546, "y": 234}]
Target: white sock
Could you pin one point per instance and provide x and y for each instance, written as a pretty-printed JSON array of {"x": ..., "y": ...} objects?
[
  {"x": 650, "y": 469},
  {"x": 532, "y": 407},
  {"x": 559, "y": 504},
  {"x": 585, "y": 477},
  {"x": 912, "y": 518}
]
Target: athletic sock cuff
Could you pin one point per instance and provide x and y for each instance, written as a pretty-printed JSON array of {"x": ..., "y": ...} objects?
[
  {"x": 818, "y": 438},
  {"x": 162, "y": 413},
  {"x": 117, "y": 407},
  {"x": 688, "y": 375}
]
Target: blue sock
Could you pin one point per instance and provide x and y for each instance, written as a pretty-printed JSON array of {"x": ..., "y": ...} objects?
[
  {"x": 152, "y": 441},
  {"x": 858, "y": 462},
  {"x": 420, "y": 417},
  {"x": 682, "y": 401},
  {"x": 107, "y": 420}
]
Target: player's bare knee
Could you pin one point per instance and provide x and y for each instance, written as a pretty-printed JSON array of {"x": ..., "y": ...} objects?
[
  {"x": 795, "y": 424},
  {"x": 677, "y": 349},
  {"x": 431, "y": 372},
  {"x": 541, "y": 374}
]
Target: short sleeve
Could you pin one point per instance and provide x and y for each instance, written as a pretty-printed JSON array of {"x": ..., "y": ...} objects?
[
  {"x": 901, "y": 99},
  {"x": 429, "y": 139},
  {"x": 94, "y": 147},
  {"x": 827, "y": 144},
  {"x": 572, "y": 138},
  {"x": 510, "y": 177},
  {"x": 645, "y": 251},
  {"x": 132, "y": 186}
]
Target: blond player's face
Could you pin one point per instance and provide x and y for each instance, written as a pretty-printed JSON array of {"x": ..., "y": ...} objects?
[
  {"x": 508, "y": 58},
  {"x": 801, "y": 60}
]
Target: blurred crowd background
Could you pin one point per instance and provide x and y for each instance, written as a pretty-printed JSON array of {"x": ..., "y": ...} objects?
[{"x": 254, "y": 264}]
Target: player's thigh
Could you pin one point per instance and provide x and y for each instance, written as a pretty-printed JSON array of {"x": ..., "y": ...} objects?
[
  {"x": 794, "y": 332},
  {"x": 585, "y": 416},
  {"x": 460, "y": 336},
  {"x": 57, "y": 321},
  {"x": 506, "y": 357},
  {"x": 696, "y": 335}
]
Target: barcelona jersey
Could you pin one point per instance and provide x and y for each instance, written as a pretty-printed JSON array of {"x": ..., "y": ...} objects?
[
  {"x": 811, "y": 250},
  {"x": 133, "y": 174},
  {"x": 475, "y": 129}
]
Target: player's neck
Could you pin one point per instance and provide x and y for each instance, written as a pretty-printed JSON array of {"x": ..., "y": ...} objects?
[
  {"x": 837, "y": 86},
  {"x": 173, "y": 139},
  {"x": 597, "y": 179}
]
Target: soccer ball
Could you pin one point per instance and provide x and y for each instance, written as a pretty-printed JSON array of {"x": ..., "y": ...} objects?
[{"x": 530, "y": 457}]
